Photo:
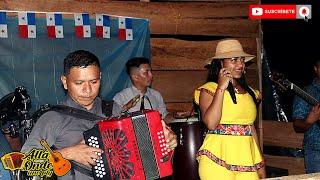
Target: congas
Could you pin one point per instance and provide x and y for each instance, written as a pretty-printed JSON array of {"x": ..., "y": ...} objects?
[
  {"x": 4, "y": 149},
  {"x": 190, "y": 134}
]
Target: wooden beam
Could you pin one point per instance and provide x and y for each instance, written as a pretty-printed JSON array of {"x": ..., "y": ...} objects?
[
  {"x": 175, "y": 54},
  {"x": 293, "y": 164},
  {"x": 186, "y": 106},
  {"x": 281, "y": 134},
  {"x": 178, "y": 86},
  {"x": 194, "y": 18}
]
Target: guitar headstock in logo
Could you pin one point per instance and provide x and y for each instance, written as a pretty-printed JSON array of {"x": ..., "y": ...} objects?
[{"x": 303, "y": 11}]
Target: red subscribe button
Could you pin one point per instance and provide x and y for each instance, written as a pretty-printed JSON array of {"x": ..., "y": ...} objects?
[{"x": 280, "y": 11}]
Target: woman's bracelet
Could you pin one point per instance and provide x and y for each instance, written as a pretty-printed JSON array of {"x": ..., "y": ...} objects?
[{"x": 220, "y": 89}]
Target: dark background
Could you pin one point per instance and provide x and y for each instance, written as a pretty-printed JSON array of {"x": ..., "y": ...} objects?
[{"x": 290, "y": 47}]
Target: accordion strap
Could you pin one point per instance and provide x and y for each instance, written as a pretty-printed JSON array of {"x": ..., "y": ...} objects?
[
  {"x": 81, "y": 169},
  {"x": 78, "y": 113}
]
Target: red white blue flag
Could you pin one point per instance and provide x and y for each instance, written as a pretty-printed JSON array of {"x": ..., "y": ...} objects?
[
  {"x": 27, "y": 25},
  {"x": 102, "y": 26},
  {"x": 54, "y": 25},
  {"x": 125, "y": 29},
  {"x": 3, "y": 25},
  {"x": 82, "y": 24}
]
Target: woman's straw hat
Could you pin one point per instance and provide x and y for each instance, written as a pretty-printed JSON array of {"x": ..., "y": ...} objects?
[{"x": 228, "y": 49}]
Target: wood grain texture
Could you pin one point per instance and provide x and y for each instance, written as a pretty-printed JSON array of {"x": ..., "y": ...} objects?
[
  {"x": 193, "y": 18},
  {"x": 178, "y": 86},
  {"x": 281, "y": 134},
  {"x": 294, "y": 165},
  {"x": 175, "y": 54},
  {"x": 186, "y": 106}
]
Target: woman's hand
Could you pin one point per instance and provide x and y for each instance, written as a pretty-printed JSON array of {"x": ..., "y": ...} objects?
[
  {"x": 262, "y": 173},
  {"x": 224, "y": 78}
]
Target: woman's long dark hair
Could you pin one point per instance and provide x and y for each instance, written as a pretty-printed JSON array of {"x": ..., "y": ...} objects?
[{"x": 213, "y": 75}]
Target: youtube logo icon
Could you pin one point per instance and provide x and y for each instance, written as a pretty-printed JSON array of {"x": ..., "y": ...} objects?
[{"x": 256, "y": 11}]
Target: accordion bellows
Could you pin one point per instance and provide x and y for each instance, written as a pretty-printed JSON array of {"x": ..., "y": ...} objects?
[{"x": 134, "y": 147}]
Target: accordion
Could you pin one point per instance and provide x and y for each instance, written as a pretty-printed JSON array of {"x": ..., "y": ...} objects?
[
  {"x": 134, "y": 147},
  {"x": 12, "y": 161}
]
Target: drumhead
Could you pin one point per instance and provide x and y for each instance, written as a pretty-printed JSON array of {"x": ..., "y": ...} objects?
[{"x": 186, "y": 120}]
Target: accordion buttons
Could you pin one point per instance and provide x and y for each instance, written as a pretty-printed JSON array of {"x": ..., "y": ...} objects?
[{"x": 99, "y": 167}]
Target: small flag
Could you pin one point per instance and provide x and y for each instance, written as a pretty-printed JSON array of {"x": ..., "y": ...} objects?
[
  {"x": 27, "y": 25},
  {"x": 54, "y": 25},
  {"x": 125, "y": 29},
  {"x": 102, "y": 26},
  {"x": 3, "y": 25},
  {"x": 82, "y": 24}
]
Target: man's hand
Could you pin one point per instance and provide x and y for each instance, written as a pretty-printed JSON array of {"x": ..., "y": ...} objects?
[
  {"x": 81, "y": 153},
  {"x": 314, "y": 114},
  {"x": 170, "y": 136}
]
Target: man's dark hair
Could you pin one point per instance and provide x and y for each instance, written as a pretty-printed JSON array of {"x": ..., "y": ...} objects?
[
  {"x": 79, "y": 58},
  {"x": 135, "y": 63}
]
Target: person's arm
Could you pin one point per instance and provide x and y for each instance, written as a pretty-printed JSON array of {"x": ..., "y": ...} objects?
[
  {"x": 261, "y": 171},
  {"x": 211, "y": 108},
  {"x": 47, "y": 128},
  {"x": 302, "y": 125},
  {"x": 170, "y": 136},
  {"x": 81, "y": 153},
  {"x": 163, "y": 109}
]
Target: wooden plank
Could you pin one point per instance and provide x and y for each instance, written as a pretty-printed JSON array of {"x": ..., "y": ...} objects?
[
  {"x": 179, "y": 106},
  {"x": 294, "y": 165},
  {"x": 277, "y": 133},
  {"x": 196, "y": 18},
  {"x": 259, "y": 73},
  {"x": 311, "y": 176},
  {"x": 175, "y": 54},
  {"x": 178, "y": 86}
]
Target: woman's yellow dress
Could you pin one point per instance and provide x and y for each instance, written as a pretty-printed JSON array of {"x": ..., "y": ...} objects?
[{"x": 230, "y": 156}]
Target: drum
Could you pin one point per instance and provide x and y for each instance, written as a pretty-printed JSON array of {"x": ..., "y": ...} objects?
[
  {"x": 190, "y": 135},
  {"x": 4, "y": 149}
]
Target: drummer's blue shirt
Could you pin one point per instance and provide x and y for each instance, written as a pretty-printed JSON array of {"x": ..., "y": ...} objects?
[{"x": 311, "y": 142}]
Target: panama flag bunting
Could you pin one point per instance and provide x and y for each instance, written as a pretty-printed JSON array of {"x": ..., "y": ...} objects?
[
  {"x": 125, "y": 29},
  {"x": 3, "y": 25},
  {"x": 102, "y": 26},
  {"x": 54, "y": 25},
  {"x": 27, "y": 25},
  {"x": 82, "y": 24}
]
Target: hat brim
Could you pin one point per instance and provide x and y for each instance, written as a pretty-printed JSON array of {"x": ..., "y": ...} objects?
[{"x": 248, "y": 57}]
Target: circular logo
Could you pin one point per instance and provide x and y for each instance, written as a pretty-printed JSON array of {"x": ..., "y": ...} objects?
[{"x": 304, "y": 11}]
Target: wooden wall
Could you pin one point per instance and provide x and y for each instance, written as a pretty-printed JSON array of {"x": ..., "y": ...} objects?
[{"x": 282, "y": 134}]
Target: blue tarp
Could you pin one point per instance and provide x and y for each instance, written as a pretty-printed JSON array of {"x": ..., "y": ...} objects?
[{"x": 37, "y": 64}]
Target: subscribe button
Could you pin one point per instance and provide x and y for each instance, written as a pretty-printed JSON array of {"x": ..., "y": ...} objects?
[{"x": 280, "y": 12}]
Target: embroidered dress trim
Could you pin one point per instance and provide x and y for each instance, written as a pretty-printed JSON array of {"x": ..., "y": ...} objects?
[
  {"x": 230, "y": 166},
  {"x": 232, "y": 129}
]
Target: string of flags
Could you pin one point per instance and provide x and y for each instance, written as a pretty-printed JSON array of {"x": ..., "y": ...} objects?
[{"x": 28, "y": 29}]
